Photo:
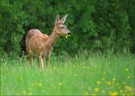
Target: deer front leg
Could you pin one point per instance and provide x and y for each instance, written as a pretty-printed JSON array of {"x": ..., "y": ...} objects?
[
  {"x": 40, "y": 64},
  {"x": 47, "y": 62}
]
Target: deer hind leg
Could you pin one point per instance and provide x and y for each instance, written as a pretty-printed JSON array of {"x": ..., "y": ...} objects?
[
  {"x": 40, "y": 64},
  {"x": 30, "y": 57},
  {"x": 31, "y": 60}
]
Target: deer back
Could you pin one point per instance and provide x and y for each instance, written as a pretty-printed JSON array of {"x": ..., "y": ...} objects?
[
  {"x": 32, "y": 33},
  {"x": 36, "y": 44}
]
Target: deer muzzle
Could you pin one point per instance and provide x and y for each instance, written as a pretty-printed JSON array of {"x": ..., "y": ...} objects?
[{"x": 68, "y": 34}]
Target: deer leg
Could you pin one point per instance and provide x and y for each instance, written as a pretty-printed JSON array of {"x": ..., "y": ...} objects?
[
  {"x": 47, "y": 61},
  {"x": 40, "y": 64},
  {"x": 31, "y": 60},
  {"x": 30, "y": 57}
]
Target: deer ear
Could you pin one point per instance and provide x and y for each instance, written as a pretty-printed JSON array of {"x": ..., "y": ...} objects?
[
  {"x": 64, "y": 18},
  {"x": 57, "y": 19}
]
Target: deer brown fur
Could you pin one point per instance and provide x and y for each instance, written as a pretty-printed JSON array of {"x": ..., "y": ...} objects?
[{"x": 41, "y": 45}]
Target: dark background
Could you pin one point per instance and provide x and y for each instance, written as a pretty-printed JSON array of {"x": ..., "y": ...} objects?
[{"x": 96, "y": 25}]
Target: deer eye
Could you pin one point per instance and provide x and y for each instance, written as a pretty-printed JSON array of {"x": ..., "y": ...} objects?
[{"x": 62, "y": 27}]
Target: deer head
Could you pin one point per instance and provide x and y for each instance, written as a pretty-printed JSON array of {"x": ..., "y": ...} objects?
[{"x": 60, "y": 27}]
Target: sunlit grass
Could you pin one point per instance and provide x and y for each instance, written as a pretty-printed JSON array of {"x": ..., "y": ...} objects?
[{"x": 83, "y": 74}]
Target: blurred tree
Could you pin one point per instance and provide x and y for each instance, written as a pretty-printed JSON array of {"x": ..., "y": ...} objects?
[
  {"x": 95, "y": 24},
  {"x": 112, "y": 25},
  {"x": 129, "y": 8}
]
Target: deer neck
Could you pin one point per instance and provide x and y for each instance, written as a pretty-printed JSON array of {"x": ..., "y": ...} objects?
[{"x": 52, "y": 39}]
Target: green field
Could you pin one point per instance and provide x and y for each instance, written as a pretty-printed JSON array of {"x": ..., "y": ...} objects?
[{"x": 82, "y": 74}]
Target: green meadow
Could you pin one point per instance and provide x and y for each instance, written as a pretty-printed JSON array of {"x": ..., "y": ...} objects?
[{"x": 82, "y": 74}]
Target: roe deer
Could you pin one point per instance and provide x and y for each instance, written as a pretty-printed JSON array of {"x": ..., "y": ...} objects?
[{"x": 41, "y": 45}]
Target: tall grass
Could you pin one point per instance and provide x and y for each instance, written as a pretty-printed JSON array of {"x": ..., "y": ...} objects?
[{"x": 83, "y": 74}]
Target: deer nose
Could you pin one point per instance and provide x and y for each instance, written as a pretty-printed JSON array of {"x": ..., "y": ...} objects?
[{"x": 69, "y": 33}]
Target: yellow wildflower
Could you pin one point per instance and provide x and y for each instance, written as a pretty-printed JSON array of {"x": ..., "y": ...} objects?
[
  {"x": 128, "y": 88},
  {"x": 39, "y": 84},
  {"x": 124, "y": 82},
  {"x": 114, "y": 93},
  {"x": 103, "y": 91},
  {"x": 29, "y": 93},
  {"x": 98, "y": 82},
  {"x": 32, "y": 84},
  {"x": 74, "y": 66},
  {"x": 54, "y": 68},
  {"x": 127, "y": 69},
  {"x": 86, "y": 93},
  {"x": 96, "y": 89},
  {"x": 121, "y": 91},
  {"x": 66, "y": 36},
  {"x": 113, "y": 79},
  {"x": 128, "y": 77},
  {"x": 109, "y": 83},
  {"x": 93, "y": 94},
  {"x": 74, "y": 75},
  {"x": 60, "y": 83},
  {"x": 23, "y": 91},
  {"x": 54, "y": 87},
  {"x": 103, "y": 79}
]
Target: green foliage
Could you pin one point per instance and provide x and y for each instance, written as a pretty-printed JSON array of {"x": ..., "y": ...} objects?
[
  {"x": 95, "y": 24},
  {"x": 112, "y": 25},
  {"x": 129, "y": 7},
  {"x": 111, "y": 74}
]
